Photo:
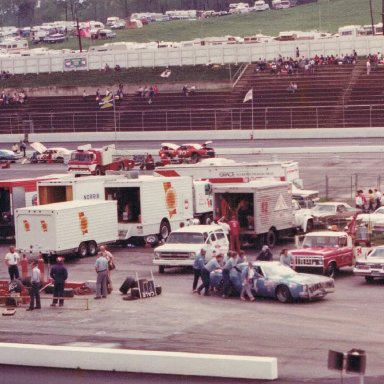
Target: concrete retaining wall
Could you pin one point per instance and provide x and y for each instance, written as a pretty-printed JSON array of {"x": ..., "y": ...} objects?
[
  {"x": 197, "y": 136},
  {"x": 173, "y": 363}
]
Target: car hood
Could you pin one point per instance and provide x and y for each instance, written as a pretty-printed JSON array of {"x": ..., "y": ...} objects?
[
  {"x": 38, "y": 147},
  {"x": 316, "y": 251},
  {"x": 306, "y": 278}
]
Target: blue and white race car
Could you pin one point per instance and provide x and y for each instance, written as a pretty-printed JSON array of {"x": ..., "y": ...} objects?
[{"x": 272, "y": 279}]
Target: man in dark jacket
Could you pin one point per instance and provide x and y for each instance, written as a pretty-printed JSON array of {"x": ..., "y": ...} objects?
[{"x": 59, "y": 274}]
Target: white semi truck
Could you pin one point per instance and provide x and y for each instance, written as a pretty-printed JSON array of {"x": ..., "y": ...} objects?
[{"x": 68, "y": 227}]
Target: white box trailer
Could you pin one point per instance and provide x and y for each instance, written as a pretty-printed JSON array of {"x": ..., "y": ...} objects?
[
  {"x": 151, "y": 207},
  {"x": 263, "y": 208},
  {"x": 133, "y": 195},
  {"x": 67, "y": 227},
  {"x": 72, "y": 188}
]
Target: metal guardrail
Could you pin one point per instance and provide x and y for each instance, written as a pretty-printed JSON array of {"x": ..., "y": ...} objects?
[{"x": 291, "y": 117}]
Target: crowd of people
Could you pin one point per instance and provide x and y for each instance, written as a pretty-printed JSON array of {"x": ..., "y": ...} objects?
[
  {"x": 293, "y": 65},
  {"x": 4, "y": 75},
  {"x": 16, "y": 98},
  {"x": 147, "y": 92},
  {"x": 202, "y": 269},
  {"x": 58, "y": 274},
  {"x": 370, "y": 202}
]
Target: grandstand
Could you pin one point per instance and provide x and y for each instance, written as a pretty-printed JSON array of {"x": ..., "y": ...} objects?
[{"x": 332, "y": 96}]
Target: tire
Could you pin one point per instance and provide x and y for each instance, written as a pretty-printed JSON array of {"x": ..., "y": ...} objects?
[
  {"x": 161, "y": 268},
  {"x": 194, "y": 158},
  {"x": 369, "y": 279},
  {"x": 92, "y": 248},
  {"x": 59, "y": 160},
  {"x": 98, "y": 171},
  {"x": 207, "y": 219},
  {"x": 331, "y": 270},
  {"x": 121, "y": 167},
  {"x": 310, "y": 226},
  {"x": 271, "y": 238},
  {"x": 165, "y": 230},
  {"x": 283, "y": 294},
  {"x": 82, "y": 251}
]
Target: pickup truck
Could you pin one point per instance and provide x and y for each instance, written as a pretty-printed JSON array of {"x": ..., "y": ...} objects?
[{"x": 324, "y": 252}]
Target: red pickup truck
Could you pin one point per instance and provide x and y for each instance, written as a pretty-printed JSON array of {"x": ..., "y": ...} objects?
[{"x": 324, "y": 252}]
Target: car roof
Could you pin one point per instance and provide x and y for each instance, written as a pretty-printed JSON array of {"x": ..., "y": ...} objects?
[
  {"x": 326, "y": 233},
  {"x": 199, "y": 228},
  {"x": 332, "y": 203}
]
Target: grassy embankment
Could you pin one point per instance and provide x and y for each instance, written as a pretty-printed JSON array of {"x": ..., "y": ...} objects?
[{"x": 326, "y": 15}]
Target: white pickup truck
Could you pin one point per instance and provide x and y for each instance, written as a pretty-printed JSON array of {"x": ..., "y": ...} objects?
[{"x": 184, "y": 244}]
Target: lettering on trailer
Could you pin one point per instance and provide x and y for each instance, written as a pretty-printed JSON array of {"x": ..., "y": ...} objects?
[
  {"x": 280, "y": 203},
  {"x": 90, "y": 196}
]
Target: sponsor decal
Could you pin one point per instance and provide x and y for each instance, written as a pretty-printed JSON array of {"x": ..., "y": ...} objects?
[
  {"x": 170, "y": 198},
  {"x": 83, "y": 223}
]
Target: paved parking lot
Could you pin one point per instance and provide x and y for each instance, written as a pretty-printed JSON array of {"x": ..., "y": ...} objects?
[{"x": 299, "y": 334}]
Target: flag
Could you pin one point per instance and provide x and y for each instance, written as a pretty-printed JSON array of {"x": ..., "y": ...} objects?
[
  {"x": 248, "y": 96},
  {"x": 107, "y": 101}
]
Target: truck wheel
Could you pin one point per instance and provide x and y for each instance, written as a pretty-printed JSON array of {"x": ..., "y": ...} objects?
[
  {"x": 98, "y": 171},
  {"x": 161, "y": 268},
  {"x": 194, "y": 158},
  {"x": 369, "y": 279},
  {"x": 271, "y": 238},
  {"x": 82, "y": 250},
  {"x": 92, "y": 248},
  {"x": 283, "y": 294},
  {"x": 207, "y": 219},
  {"x": 310, "y": 226},
  {"x": 331, "y": 270},
  {"x": 165, "y": 230}
]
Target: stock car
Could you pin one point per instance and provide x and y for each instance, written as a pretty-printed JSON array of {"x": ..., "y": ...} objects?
[
  {"x": 372, "y": 266},
  {"x": 54, "y": 154},
  {"x": 168, "y": 153},
  {"x": 6, "y": 154},
  {"x": 329, "y": 213},
  {"x": 275, "y": 280},
  {"x": 195, "y": 152}
]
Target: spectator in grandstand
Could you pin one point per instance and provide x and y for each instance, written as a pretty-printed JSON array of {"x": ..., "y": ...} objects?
[
  {"x": 106, "y": 67},
  {"x": 155, "y": 89},
  {"x": 98, "y": 95},
  {"x": 185, "y": 90},
  {"x": 140, "y": 91},
  {"x": 368, "y": 66},
  {"x": 297, "y": 52},
  {"x": 117, "y": 68},
  {"x": 84, "y": 95},
  {"x": 292, "y": 87}
]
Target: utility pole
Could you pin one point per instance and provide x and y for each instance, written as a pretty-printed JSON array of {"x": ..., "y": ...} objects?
[
  {"x": 382, "y": 16},
  {"x": 372, "y": 23}
]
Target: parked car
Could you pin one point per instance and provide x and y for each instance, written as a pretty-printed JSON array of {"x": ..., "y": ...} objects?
[
  {"x": 184, "y": 244},
  {"x": 278, "y": 281},
  {"x": 168, "y": 153},
  {"x": 55, "y": 38},
  {"x": 54, "y": 154},
  {"x": 332, "y": 213},
  {"x": 376, "y": 217},
  {"x": 195, "y": 152},
  {"x": 6, "y": 154},
  {"x": 373, "y": 266},
  {"x": 302, "y": 217}
]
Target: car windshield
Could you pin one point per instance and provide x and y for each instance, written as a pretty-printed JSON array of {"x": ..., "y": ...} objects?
[
  {"x": 80, "y": 156},
  {"x": 271, "y": 270},
  {"x": 323, "y": 209},
  {"x": 378, "y": 252},
  {"x": 320, "y": 241},
  {"x": 185, "y": 238}
]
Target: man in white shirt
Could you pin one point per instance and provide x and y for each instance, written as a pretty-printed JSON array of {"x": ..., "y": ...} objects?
[
  {"x": 12, "y": 260},
  {"x": 34, "y": 291}
]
